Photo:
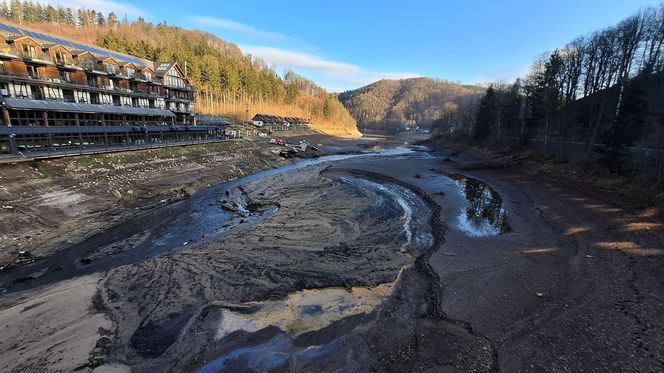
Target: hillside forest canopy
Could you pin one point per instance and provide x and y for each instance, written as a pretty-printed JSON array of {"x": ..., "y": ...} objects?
[
  {"x": 228, "y": 82},
  {"x": 590, "y": 100},
  {"x": 397, "y": 105}
]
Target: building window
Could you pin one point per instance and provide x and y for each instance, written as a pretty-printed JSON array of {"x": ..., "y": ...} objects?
[
  {"x": 60, "y": 58},
  {"x": 68, "y": 95},
  {"x": 148, "y": 76},
  {"x": 131, "y": 72},
  {"x": 4, "y": 89},
  {"x": 94, "y": 98},
  {"x": 64, "y": 76},
  {"x": 29, "y": 51},
  {"x": 36, "y": 92},
  {"x": 81, "y": 96},
  {"x": 89, "y": 65},
  {"x": 33, "y": 71},
  {"x": 110, "y": 68}
]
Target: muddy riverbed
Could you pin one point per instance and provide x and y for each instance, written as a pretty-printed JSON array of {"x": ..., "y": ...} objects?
[{"x": 389, "y": 261}]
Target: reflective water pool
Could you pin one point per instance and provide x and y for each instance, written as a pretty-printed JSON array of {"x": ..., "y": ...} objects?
[{"x": 484, "y": 214}]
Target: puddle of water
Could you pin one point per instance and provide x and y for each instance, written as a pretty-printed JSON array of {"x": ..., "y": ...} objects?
[
  {"x": 268, "y": 355},
  {"x": 484, "y": 215},
  {"x": 306, "y": 310},
  {"x": 303, "y": 311}
]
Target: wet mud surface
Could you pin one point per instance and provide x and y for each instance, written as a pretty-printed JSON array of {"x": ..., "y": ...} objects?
[{"x": 397, "y": 261}]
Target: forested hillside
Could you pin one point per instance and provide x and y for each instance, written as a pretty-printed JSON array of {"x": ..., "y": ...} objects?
[
  {"x": 228, "y": 82},
  {"x": 389, "y": 105},
  {"x": 590, "y": 101}
]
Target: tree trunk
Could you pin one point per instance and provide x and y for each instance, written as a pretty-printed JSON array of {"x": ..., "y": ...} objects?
[
  {"x": 546, "y": 136},
  {"x": 562, "y": 136},
  {"x": 659, "y": 152},
  {"x": 593, "y": 135}
]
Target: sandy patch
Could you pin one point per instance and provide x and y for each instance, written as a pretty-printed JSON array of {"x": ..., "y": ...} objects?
[{"x": 53, "y": 331}]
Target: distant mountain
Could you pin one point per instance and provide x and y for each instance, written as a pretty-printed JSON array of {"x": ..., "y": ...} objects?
[{"x": 388, "y": 105}]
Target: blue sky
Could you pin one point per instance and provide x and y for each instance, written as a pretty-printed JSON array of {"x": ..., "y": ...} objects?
[{"x": 346, "y": 44}]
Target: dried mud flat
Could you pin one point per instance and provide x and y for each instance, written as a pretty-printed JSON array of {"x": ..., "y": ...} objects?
[{"x": 396, "y": 262}]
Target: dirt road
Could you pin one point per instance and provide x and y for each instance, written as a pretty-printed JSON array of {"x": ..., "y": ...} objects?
[{"x": 403, "y": 261}]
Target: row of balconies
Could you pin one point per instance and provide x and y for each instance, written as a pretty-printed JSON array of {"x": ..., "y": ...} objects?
[
  {"x": 43, "y": 58},
  {"x": 72, "y": 84},
  {"x": 175, "y": 108}
]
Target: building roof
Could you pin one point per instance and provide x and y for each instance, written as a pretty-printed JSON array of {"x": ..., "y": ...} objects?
[
  {"x": 106, "y": 58},
  {"x": 28, "y": 104},
  {"x": 162, "y": 68},
  {"x": 11, "y": 32},
  {"x": 267, "y": 118},
  {"x": 51, "y": 45}
]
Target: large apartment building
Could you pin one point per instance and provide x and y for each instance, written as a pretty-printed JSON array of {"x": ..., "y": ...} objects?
[{"x": 56, "y": 93}]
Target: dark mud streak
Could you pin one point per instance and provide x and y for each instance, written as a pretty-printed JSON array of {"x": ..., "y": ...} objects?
[
  {"x": 420, "y": 273},
  {"x": 190, "y": 336},
  {"x": 421, "y": 265}
]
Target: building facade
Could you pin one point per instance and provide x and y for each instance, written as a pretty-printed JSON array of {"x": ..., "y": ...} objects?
[{"x": 55, "y": 93}]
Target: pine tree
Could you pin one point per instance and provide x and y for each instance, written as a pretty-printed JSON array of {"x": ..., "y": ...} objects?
[
  {"x": 70, "y": 19},
  {"x": 112, "y": 20},
  {"x": 26, "y": 11},
  {"x": 486, "y": 115},
  {"x": 16, "y": 9},
  {"x": 100, "y": 19},
  {"x": 62, "y": 14},
  {"x": 52, "y": 15},
  {"x": 291, "y": 93},
  {"x": 82, "y": 20},
  {"x": 38, "y": 14},
  {"x": 4, "y": 9}
]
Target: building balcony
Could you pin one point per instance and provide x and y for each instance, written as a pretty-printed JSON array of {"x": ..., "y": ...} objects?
[
  {"x": 93, "y": 70},
  {"x": 117, "y": 74},
  {"x": 91, "y": 86},
  {"x": 99, "y": 86},
  {"x": 138, "y": 77},
  {"x": 36, "y": 58},
  {"x": 183, "y": 87},
  {"x": 175, "y": 109},
  {"x": 68, "y": 65}
]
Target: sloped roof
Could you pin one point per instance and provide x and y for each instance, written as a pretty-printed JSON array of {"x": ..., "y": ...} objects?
[
  {"x": 28, "y": 104},
  {"x": 267, "y": 118},
  {"x": 15, "y": 32},
  {"x": 161, "y": 68}
]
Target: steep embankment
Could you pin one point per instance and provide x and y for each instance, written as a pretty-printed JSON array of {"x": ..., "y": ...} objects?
[{"x": 388, "y": 105}]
